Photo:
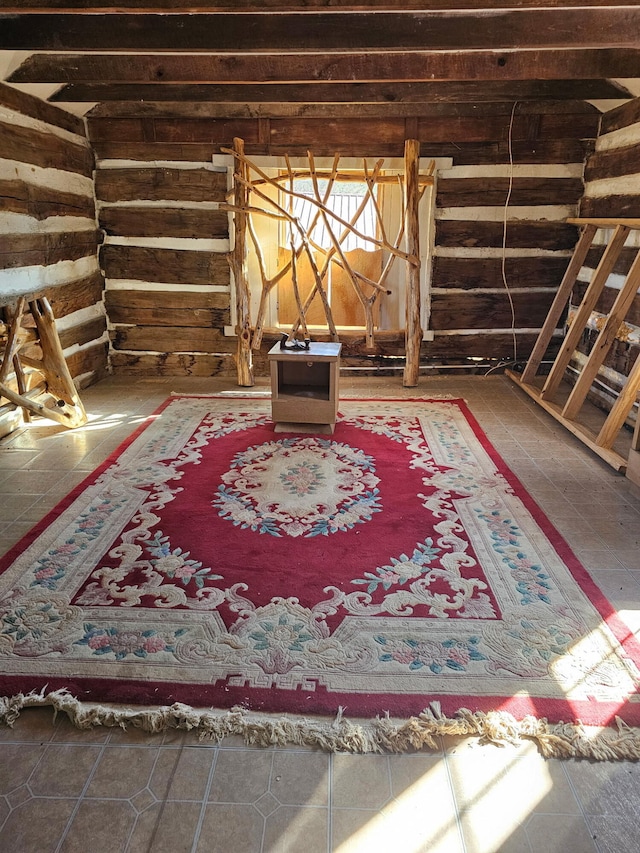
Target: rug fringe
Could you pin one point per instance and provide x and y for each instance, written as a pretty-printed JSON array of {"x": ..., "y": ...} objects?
[{"x": 559, "y": 740}]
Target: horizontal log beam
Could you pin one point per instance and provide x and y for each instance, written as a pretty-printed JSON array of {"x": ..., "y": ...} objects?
[
  {"x": 308, "y": 93},
  {"x": 71, "y": 6},
  {"x": 311, "y": 31},
  {"x": 202, "y": 111},
  {"x": 158, "y": 184},
  {"x": 164, "y": 222},
  {"x": 171, "y": 266},
  {"x": 334, "y": 68},
  {"x": 476, "y": 273},
  {"x": 474, "y": 192}
]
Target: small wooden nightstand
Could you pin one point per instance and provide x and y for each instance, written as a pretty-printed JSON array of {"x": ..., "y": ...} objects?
[{"x": 304, "y": 387}]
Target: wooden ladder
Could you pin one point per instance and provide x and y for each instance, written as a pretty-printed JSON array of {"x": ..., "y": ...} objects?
[{"x": 567, "y": 414}]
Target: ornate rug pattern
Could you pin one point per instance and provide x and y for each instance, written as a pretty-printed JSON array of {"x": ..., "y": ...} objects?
[{"x": 396, "y": 563}]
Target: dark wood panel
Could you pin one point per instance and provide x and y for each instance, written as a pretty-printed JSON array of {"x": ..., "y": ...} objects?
[
  {"x": 621, "y": 116},
  {"x": 23, "y": 250},
  {"x": 483, "y": 126},
  {"x": 172, "y": 266},
  {"x": 164, "y": 222},
  {"x": 77, "y": 294},
  {"x": 613, "y": 206},
  {"x": 471, "y": 273},
  {"x": 446, "y": 91},
  {"x": 520, "y": 234},
  {"x": 173, "y": 364},
  {"x": 172, "y": 339},
  {"x": 194, "y": 152},
  {"x": 124, "y": 300},
  {"x": 208, "y": 318},
  {"x": 606, "y": 300},
  {"x": 463, "y": 153},
  {"x": 83, "y": 333},
  {"x": 334, "y": 68},
  {"x": 477, "y": 310},
  {"x": 27, "y": 145},
  {"x": 40, "y": 202},
  {"x": 481, "y": 345},
  {"x": 89, "y": 363},
  {"x": 322, "y": 31},
  {"x": 173, "y": 110},
  {"x": 160, "y": 184},
  {"x": 29, "y": 105},
  {"x": 622, "y": 264},
  {"x": 613, "y": 164},
  {"x": 16, "y": 6},
  {"x": 472, "y": 192}
]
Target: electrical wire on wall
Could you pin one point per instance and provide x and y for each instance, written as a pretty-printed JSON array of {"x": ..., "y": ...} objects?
[
  {"x": 503, "y": 266},
  {"x": 504, "y": 235}
]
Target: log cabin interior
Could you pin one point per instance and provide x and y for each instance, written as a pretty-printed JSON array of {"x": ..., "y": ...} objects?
[{"x": 481, "y": 163}]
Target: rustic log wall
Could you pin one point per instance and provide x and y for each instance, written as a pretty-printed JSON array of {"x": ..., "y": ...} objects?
[
  {"x": 612, "y": 189},
  {"x": 166, "y": 275},
  {"x": 48, "y": 224}
]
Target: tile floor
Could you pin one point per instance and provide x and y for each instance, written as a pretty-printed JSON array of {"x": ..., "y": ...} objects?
[{"x": 113, "y": 790}]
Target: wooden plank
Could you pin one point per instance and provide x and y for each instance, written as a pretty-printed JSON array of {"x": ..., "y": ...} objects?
[
  {"x": 580, "y": 320},
  {"x": 164, "y": 222},
  {"x": 521, "y": 234},
  {"x": 207, "y": 318},
  {"x": 128, "y": 110},
  {"x": 480, "y": 273},
  {"x": 47, "y": 150},
  {"x": 172, "y": 266},
  {"x": 89, "y": 364},
  {"x": 559, "y": 304},
  {"x": 613, "y": 163},
  {"x": 83, "y": 333},
  {"x": 615, "y": 206},
  {"x": 471, "y": 192},
  {"x": 157, "y": 184},
  {"x": 16, "y": 6},
  {"x": 620, "y": 117},
  {"x": 76, "y": 294},
  {"x": 621, "y": 408},
  {"x": 623, "y": 263},
  {"x": 238, "y": 262},
  {"x": 41, "y": 202},
  {"x": 309, "y": 93},
  {"x": 165, "y": 300},
  {"x": 585, "y": 435},
  {"x": 607, "y": 334},
  {"x": 29, "y": 105},
  {"x": 443, "y": 65},
  {"x": 172, "y": 339},
  {"x": 172, "y": 364},
  {"x": 323, "y": 31},
  {"x": 487, "y": 345},
  {"x": 22, "y": 250},
  {"x": 479, "y": 310}
]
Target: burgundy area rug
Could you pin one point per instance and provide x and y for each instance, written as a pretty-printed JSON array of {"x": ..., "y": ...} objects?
[{"x": 398, "y": 562}]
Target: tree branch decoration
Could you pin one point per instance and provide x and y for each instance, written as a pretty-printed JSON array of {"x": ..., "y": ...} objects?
[{"x": 254, "y": 180}]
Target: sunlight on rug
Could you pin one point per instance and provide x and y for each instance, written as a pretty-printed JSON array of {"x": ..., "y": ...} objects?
[{"x": 218, "y": 576}]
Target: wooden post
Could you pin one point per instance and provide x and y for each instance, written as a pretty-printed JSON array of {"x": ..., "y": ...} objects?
[
  {"x": 413, "y": 331},
  {"x": 244, "y": 355}
]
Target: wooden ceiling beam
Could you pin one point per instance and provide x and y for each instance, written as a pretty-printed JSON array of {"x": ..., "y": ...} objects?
[
  {"x": 569, "y": 64},
  {"x": 207, "y": 110},
  {"x": 342, "y": 93},
  {"x": 152, "y": 6},
  {"x": 311, "y": 31}
]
